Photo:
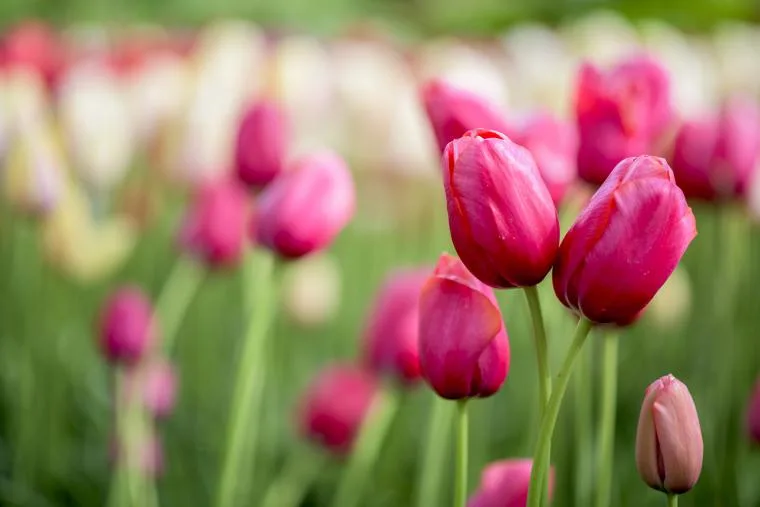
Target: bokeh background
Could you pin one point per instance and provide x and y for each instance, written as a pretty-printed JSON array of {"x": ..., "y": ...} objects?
[{"x": 133, "y": 140}]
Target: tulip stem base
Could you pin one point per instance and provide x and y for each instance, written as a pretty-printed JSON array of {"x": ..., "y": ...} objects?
[
  {"x": 366, "y": 450},
  {"x": 606, "y": 445},
  {"x": 672, "y": 500},
  {"x": 175, "y": 298},
  {"x": 540, "y": 455},
  {"x": 436, "y": 446},
  {"x": 460, "y": 484}
]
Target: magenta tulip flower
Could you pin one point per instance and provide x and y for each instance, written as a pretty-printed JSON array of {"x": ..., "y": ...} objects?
[
  {"x": 391, "y": 343},
  {"x": 623, "y": 112},
  {"x": 554, "y": 146},
  {"x": 669, "y": 439},
  {"x": 753, "y": 415},
  {"x": 692, "y": 157},
  {"x": 625, "y": 244},
  {"x": 306, "y": 206},
  {"x": 155, "y": 383},
  {"x": 262, "y": 144},
  {"x": 502, "y": 218},
  {"x": 505, "y": 484},
  {"x": 214, "y": 227},
  {"x": 335, "y": 405},
  {"x": 453, "y": 111},
  {"x": 127, "y": 326},
  {"x": 464, "y": 347}
]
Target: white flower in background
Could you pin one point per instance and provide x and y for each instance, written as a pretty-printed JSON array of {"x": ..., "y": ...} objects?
[
  {"x": 5, "y": 118},
  {"x": 226, "y": 72},
  {"x": 541, "y": 71},
  {"x": 672, "y": 304},
  {"x": 412, "y": 149},
  {"x": 736, "y": 46},
  {"x": 311, "y": 290},
  {"x": 156, "y": 91},
  {"x": 465, "y": 67},
  {"x": 301, "y": 79},
  {"x": 693, "y": 75},
  {"x": 603, "y": 37},
  {"x": 97, "y": 125}
]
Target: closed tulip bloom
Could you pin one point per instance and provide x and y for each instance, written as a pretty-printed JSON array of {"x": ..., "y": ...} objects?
[
  {"x": 505, "y": 484},
  {"x": 214, "y": 227},
  {"x": 453, "y": 111},
  {"x": 753, "y": 415},
  {"x": 669, "y": 439},
  {"x": 464, "y": 347},
  {"x": 692, "y": 157},
  {"x": 306, "y": 206},
  {"x": 262, "y": 144},
  {"x": 391, "y": 342},
  {"x": 623, "y": 112},
  {"x": 34, "y": 46},
  {"x": 127, "y": 326},
  {"x": 502, "y": 219},
  {"x": 625, "y": 244},
  {"x": 335, "y": 405},
  {"x": 554, "y": 146}
]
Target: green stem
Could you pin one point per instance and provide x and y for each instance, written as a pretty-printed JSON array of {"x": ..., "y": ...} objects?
[
  {"x": 175, "y": 298},
  {"x": 582, "y": 412},
  {"x": 672, "y": 500},
  {"x": 540, "y": 461},
  {"x": 606, "y": 445},
  {"x": 542, "y": 360},
  {"x": 298, "y": 473},
  {"x": 248, "y": 389},
  {"x": 460, "y": 484},
  {"x": 439, "y": 428},
  {"x": 366, "y": 450}
]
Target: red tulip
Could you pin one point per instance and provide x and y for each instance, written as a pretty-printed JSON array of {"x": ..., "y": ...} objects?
[
  {"x": 625, "y": 243},
  {"x": 262, "y": 144},
  {"x": 391, "y": 337},
  {"x": 214, "y": 227},
  {"x": 464, "y": 347},
  {"x": 305, "y": 207},
  {"x": 156, "y": 385},
  {"x": 621, "y": 113},
  {"x": 669, "y": 439},
  {"x": 33, "y": 46},
  {"x": 127, "y": 326},
  {"x": 336, "y": 404},
  {"x": 554, "y": 146},
  {"x": 505, "y": 484},
  {"x": 503, "y": 222},
  {"x": 453, "y": 111},
  {"x": 753, "y": 415}
]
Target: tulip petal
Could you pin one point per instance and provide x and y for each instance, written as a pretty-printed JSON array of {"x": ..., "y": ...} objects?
[{"x": 646, "y": 443}]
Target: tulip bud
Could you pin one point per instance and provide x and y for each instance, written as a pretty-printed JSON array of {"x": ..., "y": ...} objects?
[
  {"x": 391, "y": 342},
  {"x": 127, "y": 326},
  {"x": 669, "y": 440},
  {"x": 305, "y": 207},
  {"x": 214, "y": 227},
  {"x": 335, "y": 405},
  {"x": 692, "y": 156},
  {"x": 156, "y": 385},
  {"x": 621, "y": 113},
  {"x": 505, "y": 484},
  {"x": 464, "y": 347},
  {"x": 453, "y": 112},
  {"x": 634, "y": 231},
  {"x": 753, "y": 415},
  {"x": 502, "y": 219},
  {"x": 261, "y": 144},
  {"x": 554, "y": 146}
]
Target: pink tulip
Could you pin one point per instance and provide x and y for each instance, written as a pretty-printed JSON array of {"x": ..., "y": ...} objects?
[
  {"x": 156, "y": 384},
  {"x": 127, "y": 326},
  {"x": 391, "y": 342},
  {"x": 32, "y": 45},
  {"x": 335, "y": 405},
  {"x": 753, "y": 415},
  {"x": 625, "y": 244},
  {"x": 621, "y": 113},
  {"x": 502, "y": 219},
  {"x": 669, "y": 439},
  {"x": 214, "y": 227},
  {"x": 453, "y": 111},
  {"x": 554, "y": 146},
  {"x": 693, "y": 150},
  {"x": 505, "y": 484},
  {"x": 464, "y": 347},
  {"x": 262, "y": 144},
  {"x": 303, "y": 210}
]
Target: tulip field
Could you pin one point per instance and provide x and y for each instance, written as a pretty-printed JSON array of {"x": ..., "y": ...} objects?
[{"x": 243, "y": 265}]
